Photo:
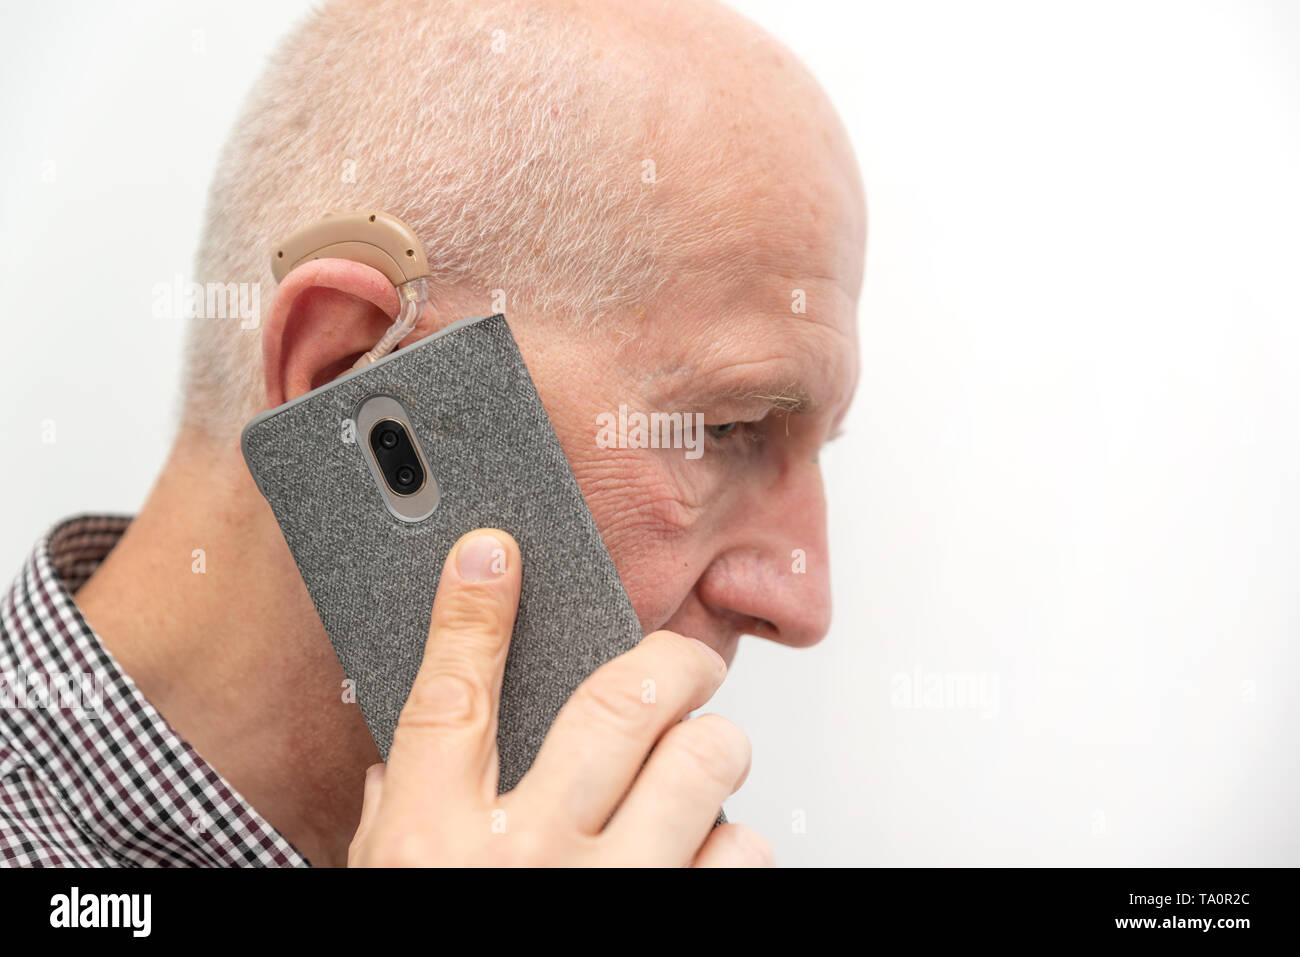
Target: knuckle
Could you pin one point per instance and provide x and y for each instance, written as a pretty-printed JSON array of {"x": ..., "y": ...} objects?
[
  {"x": 472, "y": 612},
  {"x": 445, "y": 700},
  {"x": 613, "y": 698},
  {"x": 713, "y": 747}
]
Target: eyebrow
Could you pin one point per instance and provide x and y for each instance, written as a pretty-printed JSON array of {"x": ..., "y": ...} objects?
[
  {"x": 793, "y": 403},
  {"x": 781, "y": 397}
]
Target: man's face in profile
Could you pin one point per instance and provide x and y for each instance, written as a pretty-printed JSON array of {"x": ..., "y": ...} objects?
[{"x": 755, "y": 329}]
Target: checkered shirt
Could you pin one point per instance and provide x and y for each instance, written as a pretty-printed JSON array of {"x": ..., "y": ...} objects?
[{"x": 91, "y": 775}]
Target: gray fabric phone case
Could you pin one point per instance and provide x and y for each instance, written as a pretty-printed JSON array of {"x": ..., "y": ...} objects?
[{"x": 489, "y": 445}]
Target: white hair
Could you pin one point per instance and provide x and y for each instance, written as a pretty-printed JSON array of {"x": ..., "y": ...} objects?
[{"x": 489, "y": 127}]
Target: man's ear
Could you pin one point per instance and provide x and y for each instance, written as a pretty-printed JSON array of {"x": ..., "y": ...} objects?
[{"x": 325, "y": 314}]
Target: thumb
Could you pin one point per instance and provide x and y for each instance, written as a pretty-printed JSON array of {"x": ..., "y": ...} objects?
[{"x": 444, "y": 747}]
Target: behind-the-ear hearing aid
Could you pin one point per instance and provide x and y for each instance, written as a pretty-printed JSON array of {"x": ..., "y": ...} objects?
[{"x": 373, "y": 239}]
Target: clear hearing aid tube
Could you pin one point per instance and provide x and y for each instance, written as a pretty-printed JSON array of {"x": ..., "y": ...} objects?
[{"x": 413, "y": 295}]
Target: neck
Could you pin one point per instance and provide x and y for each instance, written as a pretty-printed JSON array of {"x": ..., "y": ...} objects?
[{"x": 226, "y": 645}]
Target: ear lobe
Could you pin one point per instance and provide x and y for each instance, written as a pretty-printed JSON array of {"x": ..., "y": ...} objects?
[{"x": 325, "y": 314}]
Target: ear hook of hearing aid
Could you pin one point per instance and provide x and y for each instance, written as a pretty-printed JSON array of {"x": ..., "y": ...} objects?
[{"x": 373, "y": 239}]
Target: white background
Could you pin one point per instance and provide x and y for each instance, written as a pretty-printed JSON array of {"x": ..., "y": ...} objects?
[{"x": 1070, "y": 474}]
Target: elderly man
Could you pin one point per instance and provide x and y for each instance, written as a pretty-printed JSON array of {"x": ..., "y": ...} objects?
[{"x": 666, "y": 208}]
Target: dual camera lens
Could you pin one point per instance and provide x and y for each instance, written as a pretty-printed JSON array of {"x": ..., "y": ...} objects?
[{"x": 396, "y": 457}]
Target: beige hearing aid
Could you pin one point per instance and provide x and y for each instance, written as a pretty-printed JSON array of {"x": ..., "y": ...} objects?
[{"x": 373, "y": 239}]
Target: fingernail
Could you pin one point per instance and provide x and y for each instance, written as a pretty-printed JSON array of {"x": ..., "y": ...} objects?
[
  {"x": 721, "y": 662},
  {"x": 481, "y": 558}
]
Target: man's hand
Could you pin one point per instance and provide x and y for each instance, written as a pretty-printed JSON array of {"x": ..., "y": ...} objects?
[{"x": 591, "y": 796}]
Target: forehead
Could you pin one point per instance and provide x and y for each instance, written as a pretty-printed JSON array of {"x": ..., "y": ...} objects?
[
  {"x": 724, "y": 345},
  {"x": 757, "y": 211},
  {"x": 762, "y": 268}
]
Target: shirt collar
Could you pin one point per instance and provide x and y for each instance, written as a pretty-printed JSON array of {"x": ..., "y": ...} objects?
[{"x": 131, "y": 783}]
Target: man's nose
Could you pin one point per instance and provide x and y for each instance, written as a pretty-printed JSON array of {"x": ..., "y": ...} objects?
[{"x": 774, "y": 573}]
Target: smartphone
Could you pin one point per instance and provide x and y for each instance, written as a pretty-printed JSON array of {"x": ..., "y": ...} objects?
[{"x": 370, "y": 514}]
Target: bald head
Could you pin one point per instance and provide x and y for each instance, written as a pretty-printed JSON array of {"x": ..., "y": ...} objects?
[{"x": 574, "y": 159}]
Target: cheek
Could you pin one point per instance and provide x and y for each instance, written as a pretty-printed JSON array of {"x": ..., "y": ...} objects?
[
  {"x": 652, "y": 522},
  {"x": 650, "y": 508}
]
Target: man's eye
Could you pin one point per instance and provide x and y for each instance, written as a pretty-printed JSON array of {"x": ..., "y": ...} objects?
[{"x": 721, "y": 431}]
